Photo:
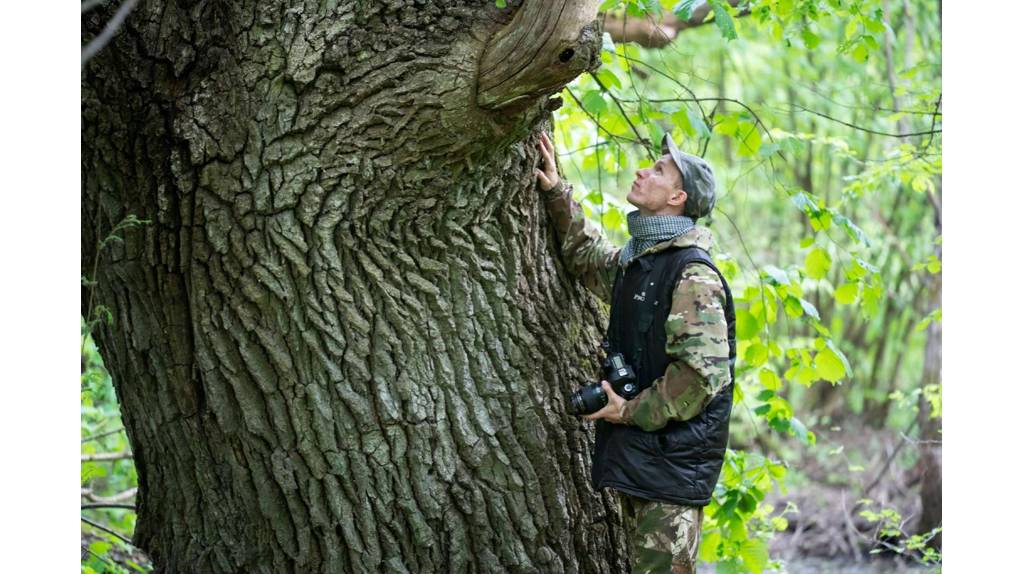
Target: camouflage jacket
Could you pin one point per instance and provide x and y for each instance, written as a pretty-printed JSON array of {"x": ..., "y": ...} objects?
[{"x": 696, "y": 331}]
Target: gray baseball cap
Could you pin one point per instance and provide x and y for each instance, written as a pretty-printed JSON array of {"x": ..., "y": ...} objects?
[{"x": 698, "y": 179}]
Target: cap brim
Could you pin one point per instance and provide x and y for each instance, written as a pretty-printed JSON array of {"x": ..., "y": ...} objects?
[{"x": 668, "y": 146}]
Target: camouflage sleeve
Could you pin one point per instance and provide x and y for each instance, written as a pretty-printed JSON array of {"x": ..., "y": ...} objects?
[
  {"x": 588, "y": 254},
  {"x": 698, "y": 345}
]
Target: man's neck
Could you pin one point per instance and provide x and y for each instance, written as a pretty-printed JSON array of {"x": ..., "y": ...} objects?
[{"x": 662, "y": 211}]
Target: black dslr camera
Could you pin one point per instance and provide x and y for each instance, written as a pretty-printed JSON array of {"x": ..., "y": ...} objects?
[{"x": 592, "y": 398}]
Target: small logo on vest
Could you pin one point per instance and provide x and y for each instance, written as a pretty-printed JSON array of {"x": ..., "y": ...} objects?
[{"x": 641, "y": 297}]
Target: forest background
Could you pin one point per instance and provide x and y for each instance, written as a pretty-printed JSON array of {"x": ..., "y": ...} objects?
[{"x": 851, "y": 220}]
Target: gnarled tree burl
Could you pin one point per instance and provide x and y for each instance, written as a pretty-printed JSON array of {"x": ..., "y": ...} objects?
[{"x": 344, "y": 341}]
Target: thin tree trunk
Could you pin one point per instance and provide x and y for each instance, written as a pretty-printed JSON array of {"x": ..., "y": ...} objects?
[{"x": 344, "y": 339}]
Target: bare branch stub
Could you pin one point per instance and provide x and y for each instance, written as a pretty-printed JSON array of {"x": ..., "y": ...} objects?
[{"x": 544, "y": 47}]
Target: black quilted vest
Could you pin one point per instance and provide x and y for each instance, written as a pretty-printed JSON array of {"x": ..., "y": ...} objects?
[{"x": 680, "y": 462}]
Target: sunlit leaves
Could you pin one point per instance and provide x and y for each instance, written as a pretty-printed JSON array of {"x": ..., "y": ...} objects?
[
  {"x": 817, "y": 263},
  {"x": 830, "y": 363},
  {"x": 747, "y": 326},
  {"x": 754, "y": 553},
  {"x": 723, "y": 20},
  {"x": 594, "y": 102},
  {"x": 769, "y": 379},
  {"x": 933, "y": 265},
  {"x": 846, "y": 293}
]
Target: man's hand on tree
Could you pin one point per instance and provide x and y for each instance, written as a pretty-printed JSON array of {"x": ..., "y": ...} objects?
[
  {"x": 548, "y": 178},
  {"x": 612, "y": 412}
]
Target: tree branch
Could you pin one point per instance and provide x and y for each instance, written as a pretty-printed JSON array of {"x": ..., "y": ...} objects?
[
  {"x": 593, "y": 119},
  {"x": 649, "y": 33},
  {"x": 625, "y": 116},
  {"x": 106, "y": 456},
  {"x": 97, "y": 44},
  {"x": 108, "y": 530},
  {"x": 105, "y": 505},
  {"x": 101, "y": 435},
  {"x": 115, "y": 499},
  {"x": 547, "y": 44},
  {"x": 870, "y": 131}
]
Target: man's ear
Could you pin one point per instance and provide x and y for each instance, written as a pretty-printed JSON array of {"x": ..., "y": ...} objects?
[{"x": 678, "y": 198}]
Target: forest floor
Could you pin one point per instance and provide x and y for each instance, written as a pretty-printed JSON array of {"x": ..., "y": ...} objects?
[{"x": 852, "y": 469}]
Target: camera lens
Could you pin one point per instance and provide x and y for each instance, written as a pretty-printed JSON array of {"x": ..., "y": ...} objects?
[{"x": 587, "y": 400}]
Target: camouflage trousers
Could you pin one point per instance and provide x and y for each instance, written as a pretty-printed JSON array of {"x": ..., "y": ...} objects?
[{"x": 664, "y": 537}]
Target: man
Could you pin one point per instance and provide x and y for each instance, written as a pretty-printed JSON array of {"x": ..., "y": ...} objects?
[{"x": 672, "y": 319}]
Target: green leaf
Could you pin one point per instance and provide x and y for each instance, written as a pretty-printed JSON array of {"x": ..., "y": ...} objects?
[
  {"x": 728, "y": 125},
  {"x": 684, "y": 10},
  {"x": 860, "y": 52},
  {"x": 810, "y": 309},
  {"x": 793, "y": 307},
  {"x": 806, "y": 242},
  {"x": 613, "y": 219},
  {"x": 709, "y": 546},
  {"x": 829, "y": 366},
  {"x": 681, "y": 118},
  {"x": 804, "y": 203},
  {"x": 935, "y": 315},
  {"x": 776, "y": 275},
  {"x": 811, "y": 40},
  {"x": 501, "y": 3},
  {"x": 756, "y": 355},
  {"x": 697, "y": 121},
  {"x": 754, "y": 553},
  {"x": 801, "y": 433},
  {"x": 855, "y": 233},
  {"x": 749, "y": 139},
  {"x": 608, "y": 77},
  {"x": 847, "y": 293},
  {"x": 100, "y": 547},
  {"x": 747, "y": 326},
  {"x": 723, "y": 20},
  {"x": 593, "y": 102},
  {"x": 769, "y": 379},
  {"x": 817, "y": 263}
]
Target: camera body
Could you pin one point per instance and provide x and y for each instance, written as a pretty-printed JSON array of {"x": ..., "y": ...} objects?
[{"x": 592, "y": 398}]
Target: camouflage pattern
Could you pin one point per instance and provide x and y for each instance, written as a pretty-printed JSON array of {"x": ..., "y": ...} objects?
[
  {"x": 696, "y": 329},
  {"x": 590, "y": 257},
  {"x": 664, "y": 537}
]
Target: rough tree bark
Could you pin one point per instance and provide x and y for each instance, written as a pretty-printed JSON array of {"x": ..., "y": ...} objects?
[{"x": 343, "y": 342}]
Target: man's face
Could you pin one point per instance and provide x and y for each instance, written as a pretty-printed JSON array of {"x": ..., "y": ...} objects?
[{"x": 657, "y": 189}]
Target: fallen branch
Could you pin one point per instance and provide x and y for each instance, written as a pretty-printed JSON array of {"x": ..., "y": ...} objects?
[
  {"x": 104, "y": 505},
  {"x": 101, "y": 435},
  {"x": 119, "y": 497},
  {"x": 106, "y": 456},
  {"x": 107, "y": 529}
]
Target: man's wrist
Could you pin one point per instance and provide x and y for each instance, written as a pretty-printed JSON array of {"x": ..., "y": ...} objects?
[
  {"x": 625, "y": 415},
  {"x": 556, "y": 191}
]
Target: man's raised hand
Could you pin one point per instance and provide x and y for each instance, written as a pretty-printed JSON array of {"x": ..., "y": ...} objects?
[{"x": 548, "y": 177}]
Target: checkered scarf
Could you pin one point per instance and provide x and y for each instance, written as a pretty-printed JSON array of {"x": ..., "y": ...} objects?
[{"x": 647, "y": 231}]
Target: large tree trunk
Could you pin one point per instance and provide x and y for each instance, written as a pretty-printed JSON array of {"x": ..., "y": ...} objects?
[{"x": 344, "y": 340}]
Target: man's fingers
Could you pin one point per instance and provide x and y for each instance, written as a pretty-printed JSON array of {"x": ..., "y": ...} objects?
[
  {"x": 542, "y": 177},
  {"x": 548, "y": 159}
]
